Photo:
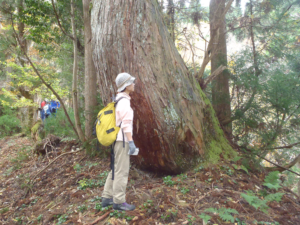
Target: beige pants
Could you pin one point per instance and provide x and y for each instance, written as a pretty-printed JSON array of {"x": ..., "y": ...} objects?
[{"x": 116, "y": 188}]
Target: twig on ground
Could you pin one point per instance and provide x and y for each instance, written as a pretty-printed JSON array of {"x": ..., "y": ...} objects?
[
  {"x": 100, "y": 218},
  {"x": 54, "y": 161},
  {"x": 243, "y": 207}
]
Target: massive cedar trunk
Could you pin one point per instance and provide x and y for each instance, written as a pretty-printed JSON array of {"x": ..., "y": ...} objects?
[
  {"x": 90, "y": 94},
  {"x": 174, "y": 124},
  {"x": 220, "y": 86}
]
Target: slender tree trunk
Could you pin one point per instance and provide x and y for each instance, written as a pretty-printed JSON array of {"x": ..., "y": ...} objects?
[
  {"x": 220, "y": 85},
  {"x": 171, "y": 18},
  {"x": 174, "y": 123},
  {"x": 90, "y": 73},
  {"x": 25, "y": 91},
  {"x": 75, "y": 77}
]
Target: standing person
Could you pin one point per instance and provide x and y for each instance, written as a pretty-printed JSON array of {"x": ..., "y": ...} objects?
[{"x": 114, "y": 190}]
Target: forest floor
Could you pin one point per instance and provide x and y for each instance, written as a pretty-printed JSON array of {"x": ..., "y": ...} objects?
[{"x": 69, "y": 192}]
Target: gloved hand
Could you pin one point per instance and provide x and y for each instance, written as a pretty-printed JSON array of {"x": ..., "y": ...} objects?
[{"x": 131, "y": 147}]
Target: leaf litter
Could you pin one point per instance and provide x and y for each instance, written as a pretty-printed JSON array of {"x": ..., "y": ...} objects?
[{"x": 69, "y": 192}]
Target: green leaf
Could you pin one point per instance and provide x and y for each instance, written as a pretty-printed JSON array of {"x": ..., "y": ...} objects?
[
  {"x": 205, "y": 217},
  {"x": 274, "y": 197},
  {"x": 272, "y": 180}
]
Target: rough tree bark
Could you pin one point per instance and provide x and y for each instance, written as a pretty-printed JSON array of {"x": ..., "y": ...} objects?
[
  {"x": 90, "y": 93},
  {"x": 220, "y": 85},
  {"x": 174, "y": 123},
  {"x": 75, "y": 77}
]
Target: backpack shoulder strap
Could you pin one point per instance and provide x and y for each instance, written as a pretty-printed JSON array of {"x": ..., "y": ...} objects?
[{"x": 116, "y": 102}]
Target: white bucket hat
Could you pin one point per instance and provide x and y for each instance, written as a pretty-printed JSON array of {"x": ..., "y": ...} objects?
[{"x": 123, "y": 80}]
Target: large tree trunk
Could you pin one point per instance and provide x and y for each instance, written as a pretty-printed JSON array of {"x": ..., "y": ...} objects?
[
  {"x": 220, "y": 86},
  {"x": 90, "y": 73},
  {"x": 174, "y": 123}
]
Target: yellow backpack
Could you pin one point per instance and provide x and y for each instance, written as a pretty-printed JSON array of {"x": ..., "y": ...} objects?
[{"x": 106, "y": 128}]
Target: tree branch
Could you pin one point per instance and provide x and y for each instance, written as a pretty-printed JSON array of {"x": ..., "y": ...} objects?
[
  {"x": 211, "y": 48},
  {"x": 58, "y": 21},
  {"x": 283, "y": 147},
  {"x": 282, "y": 168},
  {"x": 213, "y": 76},
  {"x": 79, "y": 46}
]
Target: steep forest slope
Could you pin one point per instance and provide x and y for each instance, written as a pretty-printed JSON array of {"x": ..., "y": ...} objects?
[{"x": 68, "y": 191}]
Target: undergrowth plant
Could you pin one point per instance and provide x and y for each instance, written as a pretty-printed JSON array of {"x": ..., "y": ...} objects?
[
  {"x": 272, "y": 182},
  {"x": 57, "y": 124},
  {"x": 168, "y": 181},
  {"x": 224, "y": 213},
  {"x": 9, "y": 122}
]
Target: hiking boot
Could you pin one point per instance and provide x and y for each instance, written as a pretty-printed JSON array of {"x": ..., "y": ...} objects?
[
  {"x": 107, "y": 202},
  {"x": 124, "y": 206}
]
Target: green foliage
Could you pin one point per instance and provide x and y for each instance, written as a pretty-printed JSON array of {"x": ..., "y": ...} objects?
[
  {"x": 274, "y": 197},
  {"x": 4, "y": 210},
  {"x": 224, "y": 213},
  {"x": 198, "y": 168},
  {"x": 58, "y": 124},
  {"x": 90, "y": 183},
  {"x": 256, "y": 202},
  {"x": 190, "y": 218},
  {"x": 9, "y": 123},
  {"x": 77, "y": 167},
  {"x": 205, "y": 217},
  {"x": 184, "y": 190},
  {"x": 120, "y": 214},
  {"x": 227, "y": 170},
  {"x": 62, "y": 218},
  {"x": 40, "y": 218},
  {"x": 147, "y": 204},
  {"x": 168, "y": 181},
  {"x": 182, "y": 176},
  {"x": 97, "y": 198},
  {"x": 22, "y": 155},
  {"x": 170, "y": 215},
  {"x": 90, "y": 165},
  {"x": 98, "y": 207},
  {"x": 272, "y": 180},
  {"x": 82, "y": 208},
  {"x": 242, "y": 167}
]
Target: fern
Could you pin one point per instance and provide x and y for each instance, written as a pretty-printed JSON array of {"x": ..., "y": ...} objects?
[
  {"x": 256, "y": 202},
  {"x": 211, "y": 210},
  {"x": 224, "y": 213},
  {"x": 274, "y": 197},
  {"x": 272, "y": 180}
]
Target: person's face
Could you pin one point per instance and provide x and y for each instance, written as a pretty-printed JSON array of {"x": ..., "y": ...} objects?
[{"x": 130, "y": 88}]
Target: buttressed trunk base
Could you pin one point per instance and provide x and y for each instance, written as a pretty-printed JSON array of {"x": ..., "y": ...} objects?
[{"x": 174, "y": 124}]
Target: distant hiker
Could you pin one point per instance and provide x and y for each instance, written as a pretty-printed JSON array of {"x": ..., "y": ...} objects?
[
  {"x": 53, "y": 106},
  {"x": 47, "y": 109},
  {"x": 114, "y": 190}
]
